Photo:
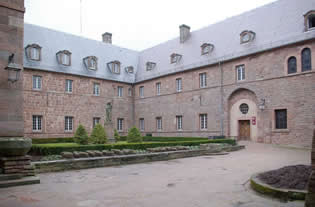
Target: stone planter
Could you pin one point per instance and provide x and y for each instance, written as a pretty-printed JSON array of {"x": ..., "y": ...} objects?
[{"x": 14, "y": 146}]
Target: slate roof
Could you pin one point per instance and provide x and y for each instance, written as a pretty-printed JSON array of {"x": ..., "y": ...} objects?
[{"x": 276, "y": 24}]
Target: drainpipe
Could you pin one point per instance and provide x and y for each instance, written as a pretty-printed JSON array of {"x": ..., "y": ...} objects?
[
  {"x": 133, "y": 105},
  {"x": 221, "y": 102}
]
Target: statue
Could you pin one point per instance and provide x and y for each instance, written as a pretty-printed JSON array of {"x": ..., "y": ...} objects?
[{"x": 109, "y": 112}]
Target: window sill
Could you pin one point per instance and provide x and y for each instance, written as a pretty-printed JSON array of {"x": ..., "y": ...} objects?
[
  {"x": 69, "y": 131},
  {"x": 37, "y": 131},
  {"x": 280, "y": 131},
  {"x": 37, "y": 89}
]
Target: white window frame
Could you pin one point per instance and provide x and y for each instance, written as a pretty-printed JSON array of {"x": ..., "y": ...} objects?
[
  {"x": 120, "y": 124},
  {"x": 240, "y": 73},
  {"x": 159, "y": 125},
  {"x": 120, "y": 91},
  {"x": 69, "y": 86},
  {"x": 141, "y": 124},
  {"x": 96, "y": 89},
  {"x": 96, "y": 120},
  {"x": 203, "y": 121},
  {"x": 34, "y": 53},
  {"x": 129, "y": 91},
  {"x": 158, "y": 88},
  {"x": 203, "y": 80},
  {"x": 179, "y": 122},
  {"x": 37, "y": 123},
  {"x": 68, "y": 123},
  {"x": 37, "y": 82},
  {"x": 179, "y": 84},
  {"x": 141, "y": 91}
]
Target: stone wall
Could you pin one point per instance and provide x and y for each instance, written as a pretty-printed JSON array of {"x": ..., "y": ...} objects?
[
  {"x": 266, "y": 77},
  {"x": 11, "y": 94},
  {"x": 53, "y": 103}
]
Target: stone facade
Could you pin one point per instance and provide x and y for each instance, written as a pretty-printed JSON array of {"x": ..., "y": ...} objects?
[
  {"x": 11, "y": 94},
  {"x": 266, "y": 78},
  {"x": 53, "y": 103}
]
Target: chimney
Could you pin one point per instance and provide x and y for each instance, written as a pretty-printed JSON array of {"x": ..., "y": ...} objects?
[
  {"x": 184, "y": 33},
  {"x": 107, "y": 37}
]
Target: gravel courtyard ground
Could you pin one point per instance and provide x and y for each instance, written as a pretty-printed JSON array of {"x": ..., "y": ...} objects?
[{"x": 218, "y": 181}]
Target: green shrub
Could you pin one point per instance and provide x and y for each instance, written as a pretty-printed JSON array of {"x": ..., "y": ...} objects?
[
  {"x": 116, "y": 136},
  {"x": 134, "y": 135},
  {"x": 81, "y": 136},
  {"x": 52, "y": 140},
  {"x": 98, "y": 135},
  {"x": 56, "y": 149},
  {"x": 171, "y": 139}
]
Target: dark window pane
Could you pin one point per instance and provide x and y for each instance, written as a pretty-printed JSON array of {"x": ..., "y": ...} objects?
[
  {"x": 306, "y": 60},
  {"x": 292, "y": 65},
  {"x": 281, "y": 119}
]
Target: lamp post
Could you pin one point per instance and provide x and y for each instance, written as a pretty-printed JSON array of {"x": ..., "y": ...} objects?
[{"x": 13, "y": 69}]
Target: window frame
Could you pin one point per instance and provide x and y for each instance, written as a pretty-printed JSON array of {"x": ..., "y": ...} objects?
[
  {"x": 307, "y": 17},
  {"x": 96, "y": 89},
  {"x": 158, "y": 88},
  {"x": 120, "y": 124},
  {"x": 203, "y": 121},
  {"x": 120, "y": 91},
  {"x": 141, "y": 124},
  {"x": 61, "y": 55},
  {"x": 96, "y": 120},
  {"x": 38, "y": 125},
  {"x": 114, "y": 67},
  {"x": 150, "y": 66},
  {"x": 303, "y": 56},
  {"x": 28, "y": 52},
  {"x": 159, "y": 123},
  {"x": 179, "y": 85},
  {"x": 206, "y": 48},
  {"x": 179, "y": 122},
  {"x": 88, "y": 62},
  {"x": 203, "y": 80},
  {"x": 278, "y": 125},
  {"x": 69, "y": 123},
  {"x": 37, "y": 82},
  {"x": 242, "y": 74},
  {"x": 69, "y": 88},
  {"x": 289, "y": 70},
  {"x": 141, "y": 91},
  {"x": 129, "y": 91}
]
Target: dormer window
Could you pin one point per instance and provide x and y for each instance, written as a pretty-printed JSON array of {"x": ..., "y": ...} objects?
[
  {"x": 64, "y": 57},
  {"x": 175, "y": 58},
  {"x": 33, "y": 52},
  {"x": 114, "y": 67},
  {"x": 206, "y": 48},
  {"x": 309, "y": 20},
  {"x": 150, "y": 65},
  {"x": 90, "y": 62},
  {"x": 247, "y": 36},
  {"x": 129, "y": 69}
]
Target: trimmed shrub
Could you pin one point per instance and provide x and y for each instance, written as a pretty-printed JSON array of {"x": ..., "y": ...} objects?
[
  {"x": 81, "y": 136},
  {"x": 116, "y": 136},
  {"x": 52, "y": 140},
  {"x": 98, "y": 135},
  {"x": 134, "y": 135},
  {"x": 56, "y": 149},
  {"x": 172, "y": 139}
]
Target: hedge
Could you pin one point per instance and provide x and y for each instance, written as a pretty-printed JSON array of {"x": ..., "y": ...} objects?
[
  {"x": 52, "y": 140},
  {"x": 55, "y": 149}
]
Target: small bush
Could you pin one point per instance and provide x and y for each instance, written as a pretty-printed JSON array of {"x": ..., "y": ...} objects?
[
  {"x": 116, "y": 136},
  {"x": 134, "y": 135},
  {"x": 81, "y": 136},
  {"x": 98, "y": 135}
]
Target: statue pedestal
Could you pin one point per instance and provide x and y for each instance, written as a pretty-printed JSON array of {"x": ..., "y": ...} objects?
[{"x": 109, "y": 130}]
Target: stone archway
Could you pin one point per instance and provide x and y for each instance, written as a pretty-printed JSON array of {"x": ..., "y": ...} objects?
[{"x": 243, "y": 114}]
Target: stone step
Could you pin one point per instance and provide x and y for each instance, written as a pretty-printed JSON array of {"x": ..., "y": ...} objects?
[
  {"x": 23, "y": 181},
  {"x": 4, "y": 177}
]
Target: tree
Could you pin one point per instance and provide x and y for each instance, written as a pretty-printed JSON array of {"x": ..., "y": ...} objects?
[
  {"x": 98, "y": 135},
  {"x": 116, "y": 135},
  {"x": 134, "y": 135},
  {"x": 81, "y": 136}
]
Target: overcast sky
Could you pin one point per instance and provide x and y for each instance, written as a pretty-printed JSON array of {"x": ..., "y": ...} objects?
[{"x": 136, "y": 24}]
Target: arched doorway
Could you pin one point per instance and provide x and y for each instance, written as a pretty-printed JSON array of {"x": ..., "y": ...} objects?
[{"x": 243, "y": 115}]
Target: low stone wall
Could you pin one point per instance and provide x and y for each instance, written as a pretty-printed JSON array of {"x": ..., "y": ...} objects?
[{"x": 84, "y": 163}]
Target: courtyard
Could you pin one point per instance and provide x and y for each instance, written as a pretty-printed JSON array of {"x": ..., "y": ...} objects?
[{"x": 221, "y": 181}]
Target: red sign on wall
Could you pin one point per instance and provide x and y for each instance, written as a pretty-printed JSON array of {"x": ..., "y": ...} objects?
[{"x": 254, "y": 120}]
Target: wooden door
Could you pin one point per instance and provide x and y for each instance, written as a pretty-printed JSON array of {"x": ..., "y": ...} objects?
[{"x": 244, "y": 129}]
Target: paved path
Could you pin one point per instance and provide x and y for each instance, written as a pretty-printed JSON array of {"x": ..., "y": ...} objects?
[{"x": 208, "y": 181}]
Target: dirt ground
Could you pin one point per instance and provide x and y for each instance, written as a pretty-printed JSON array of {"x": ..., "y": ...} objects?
[{"x": 219, "y": 181}]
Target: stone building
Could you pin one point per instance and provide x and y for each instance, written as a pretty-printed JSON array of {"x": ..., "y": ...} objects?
[{"x": 250, "y": 77}]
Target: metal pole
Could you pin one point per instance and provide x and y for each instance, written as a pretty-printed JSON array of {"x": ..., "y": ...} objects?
[{"x": 221, "y": 102}]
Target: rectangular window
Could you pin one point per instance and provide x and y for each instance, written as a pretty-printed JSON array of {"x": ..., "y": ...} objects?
[
  {"x": 159, "y": 123},
  {"x": 96, "y": 120},
  {"x": 120, "y": 124},
  {"x": 179, "y": 122},
  {"x": 281, "y": 118},
  {"x": 96, "y": 89},
  {"x": 240, "y": 72},
  {"x": 68, "y": 123},
  {"x": 120, "y": 91},
  {"x": 203, "y": 121},
  {"x": 69, "y": 86},
  {"x": 35, "y": 53},
  {"x": 37, "y": 82},
  {"x": 141, "y": 91},
  {"x": 178, "y": 84},
  {"x": 129, "y": 92},
  {"x": 158, "y": 89},
  {"x": 37, "y": 123},
  {"x": 141, "y": 124},
  {"x": 203, "y": 80},
  {"x": 65, "y": 59}
]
